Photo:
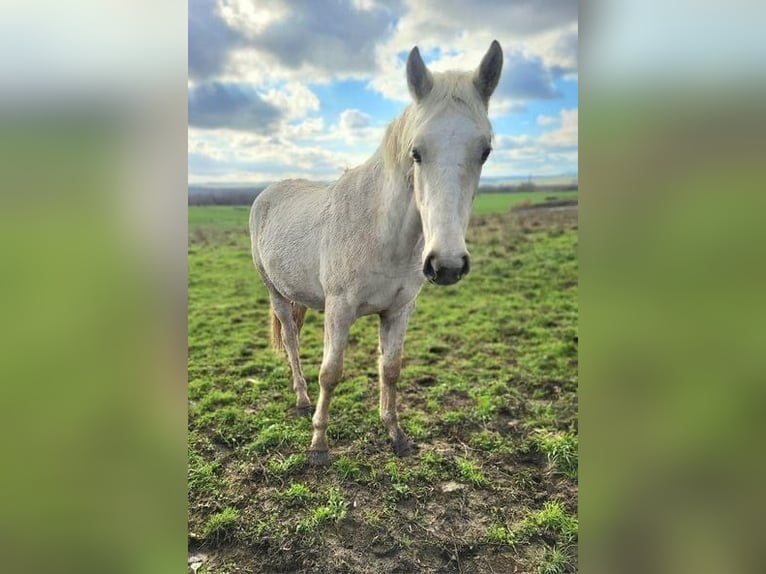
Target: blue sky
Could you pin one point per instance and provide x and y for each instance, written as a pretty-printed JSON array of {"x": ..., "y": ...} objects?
[{"x": 292, "y": 88}]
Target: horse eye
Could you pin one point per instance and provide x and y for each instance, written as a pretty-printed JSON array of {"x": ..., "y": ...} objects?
[
  {"x": 416, "y": 155},
  {"x": 485, "y": 154}
]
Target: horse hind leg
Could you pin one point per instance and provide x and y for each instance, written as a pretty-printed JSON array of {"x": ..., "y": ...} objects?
[{"x": 287, "y": 321}]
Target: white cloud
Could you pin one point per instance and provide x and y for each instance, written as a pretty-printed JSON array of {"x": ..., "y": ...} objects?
[
  {"x": 513, "y": 142},
  {"x": 353, "y": 119},
  {"x": 302, "y": 150},
  {"x": 500, "y": 107},
  {"x": 254, "y": 159},
  {"x": 543, "y": 120},
  {"x": 367, "y": 4},
  {"x": 533, "y": 161},
  {"x": 355, "y": 127},
  {"x": 551, "y": 153},
  {"x": 252, "y": 18},
  {"x": 308, "y": 128},
  {"x": 294, "y": 99},
  {"x": 557, "y": 48},
  {"x": 566, "y": 135}
]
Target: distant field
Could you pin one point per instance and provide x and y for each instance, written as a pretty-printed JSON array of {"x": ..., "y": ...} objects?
[
  {"x": 488, "y": 390},
  {"x": 500, "y": 202},
  {"x": 222, "y": 216},
  {"x": 232, "y": 216}
]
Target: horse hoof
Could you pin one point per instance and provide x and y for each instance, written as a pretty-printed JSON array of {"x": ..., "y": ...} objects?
[
  {"x": 405, "y": 447},
  {"x": 319, "y": 457}
]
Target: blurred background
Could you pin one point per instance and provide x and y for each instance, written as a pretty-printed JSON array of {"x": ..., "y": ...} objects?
[
  {"x": 93, "y": 194},
  {"x": 92, "y": 287},
  {"x": 672, "y": 280}
]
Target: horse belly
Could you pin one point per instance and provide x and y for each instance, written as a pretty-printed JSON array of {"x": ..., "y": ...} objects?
[
  {"x": 299, "y": 293},
  {"x": 295, "y": 277}
]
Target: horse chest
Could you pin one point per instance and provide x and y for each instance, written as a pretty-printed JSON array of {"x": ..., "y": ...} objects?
[{"x": 388, "y": 294}]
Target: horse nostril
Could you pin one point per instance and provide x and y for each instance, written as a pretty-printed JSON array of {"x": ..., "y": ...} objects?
[
  {"x": 466, "y": 265},
  {"x": 428, "y": 267}
]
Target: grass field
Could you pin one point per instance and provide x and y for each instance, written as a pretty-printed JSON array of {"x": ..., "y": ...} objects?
[
  {"x": 497, "y": 202},
  {"x": 218, "y": 216},
  {"x": 488, "y": 390}
]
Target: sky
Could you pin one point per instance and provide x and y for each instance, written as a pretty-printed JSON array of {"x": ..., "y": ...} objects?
[{"x": 300, "y": 88}]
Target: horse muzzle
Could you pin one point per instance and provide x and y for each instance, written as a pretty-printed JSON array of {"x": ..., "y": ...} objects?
[{"x": 446, "y": 271}]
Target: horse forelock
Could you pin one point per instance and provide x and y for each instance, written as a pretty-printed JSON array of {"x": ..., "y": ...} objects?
[{"x": 452, "y": 89}]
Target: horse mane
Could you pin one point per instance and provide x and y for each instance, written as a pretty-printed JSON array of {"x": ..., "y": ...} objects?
[{"x": 450, "y": 89}]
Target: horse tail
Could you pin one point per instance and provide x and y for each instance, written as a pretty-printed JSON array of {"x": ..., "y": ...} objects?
[
  {"x": 298, "y": 314},
  {"x": 276, "y": 334}
]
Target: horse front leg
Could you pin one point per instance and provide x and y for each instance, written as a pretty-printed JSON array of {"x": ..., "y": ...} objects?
[
  {"x": 392, "y": 329},
  {"x": 338, "y": 320}
]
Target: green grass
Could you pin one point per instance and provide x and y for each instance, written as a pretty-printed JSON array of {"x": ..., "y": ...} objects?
[
  {"x": 553, "y": 519},
  {"x": 331, "y": 511},
  {"x": 229, "y": 216},
  {"x": 280, "y": 467},
  {"x": 488, "y": 441},
  {"x": 349, "y": 469},
  {"x": 202, "y": 476},
  {"x": 298, "y": 492},
  {"x": 555, "y": 561},
  {"x": 220, "y": 527},
  {"x": 551, "y": 524},
  {"x": 469, "y": 472},
  {"x": 561, "y": 449},
  {"x": 499, "y": 202},
  {"x": 487, "y": 390}
]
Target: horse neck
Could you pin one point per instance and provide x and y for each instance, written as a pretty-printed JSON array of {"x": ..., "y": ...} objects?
[{"x": 399, "y": 222}]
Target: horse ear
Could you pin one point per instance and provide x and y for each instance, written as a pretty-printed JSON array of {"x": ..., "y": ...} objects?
[
  {"x": 419, "y": 79},
  {"x": 487, "y": 75}
]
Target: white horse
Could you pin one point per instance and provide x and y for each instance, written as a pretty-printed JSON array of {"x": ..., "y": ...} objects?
[{"x": 366, "y": 243}]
